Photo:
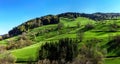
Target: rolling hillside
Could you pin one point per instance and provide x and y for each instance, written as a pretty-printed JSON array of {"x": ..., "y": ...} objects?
[{"x": 103, "y": 30}]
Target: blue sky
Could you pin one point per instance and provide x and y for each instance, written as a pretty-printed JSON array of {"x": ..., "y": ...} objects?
[{"x": 15, "y": 12}]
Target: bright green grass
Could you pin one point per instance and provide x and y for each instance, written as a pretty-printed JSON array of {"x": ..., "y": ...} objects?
[
  {"x": 43, "y": 27},
  {"x": 63, "y": 36},
  {"x": 27, "y": 53},
  {"x": 3, "y": 42},
  {"x": 73, "y": 23},
  {"x": 112, "y": 61}
]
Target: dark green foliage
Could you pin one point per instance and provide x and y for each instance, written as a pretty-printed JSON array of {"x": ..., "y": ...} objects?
[
  {"x": 69, "y": 15},
  {"x": 94, "y": 16},
  {"x": 89, "y": 26},
  {"x": 63, "y": 49},
  {"x": 114, "y": 44},
  {"x": 113, "y": 27},
  {"x": 50, "y": 19}
]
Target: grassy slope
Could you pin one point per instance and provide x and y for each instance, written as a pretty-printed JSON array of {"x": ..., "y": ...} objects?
[
  {"x": 31, "y": 51},
  {"x": 112, "y": 60},
  {"x": 26, "y": 53}
]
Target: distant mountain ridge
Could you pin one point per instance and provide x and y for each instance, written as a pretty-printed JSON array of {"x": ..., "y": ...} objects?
[{"x": 54, "y": 19}]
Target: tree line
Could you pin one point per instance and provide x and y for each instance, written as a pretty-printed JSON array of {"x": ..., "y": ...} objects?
[
  {"x": 31, "y": 24},
  {"x": 66, "y": 51},
  {"x": 49, "y": 19},
  {"x": 95, "y": 16},
  {"x": 55, "y": 19}
]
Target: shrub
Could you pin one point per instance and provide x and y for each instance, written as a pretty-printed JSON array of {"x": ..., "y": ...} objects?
[
  {"x": 22, "y": 41},
  {"x": 80, "y": 35},
  {"x": 89, "y": 26},
  {"x": 60, "y": 26},
  {"x": 6, "y": 57},
  {"x": 113, "y": 27},
  {"x": 78, "y": 25}
]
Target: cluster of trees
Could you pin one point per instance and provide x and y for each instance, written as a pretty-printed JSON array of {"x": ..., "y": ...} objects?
[
  {"x": 89, "y": 26},
  {"x": 66, "y": 51},
  {"x": 49, "y": 19},
  {"x": 114, "y": 44},
  {"x": 69, "y": 15},
  {"x": 104, "y": 16},
  {"x": 60, "y": 26},
  {"x": 94, "y": 16}
]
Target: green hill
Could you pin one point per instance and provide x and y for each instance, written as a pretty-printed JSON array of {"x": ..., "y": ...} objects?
[{"x": 103, "y": 31}]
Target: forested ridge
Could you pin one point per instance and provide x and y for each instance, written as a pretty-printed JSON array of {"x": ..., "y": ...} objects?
[
  {"x": 54, "y": 19},
  {"x": 95, "y": 16},
  {"x": 37, "y": 22}
]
